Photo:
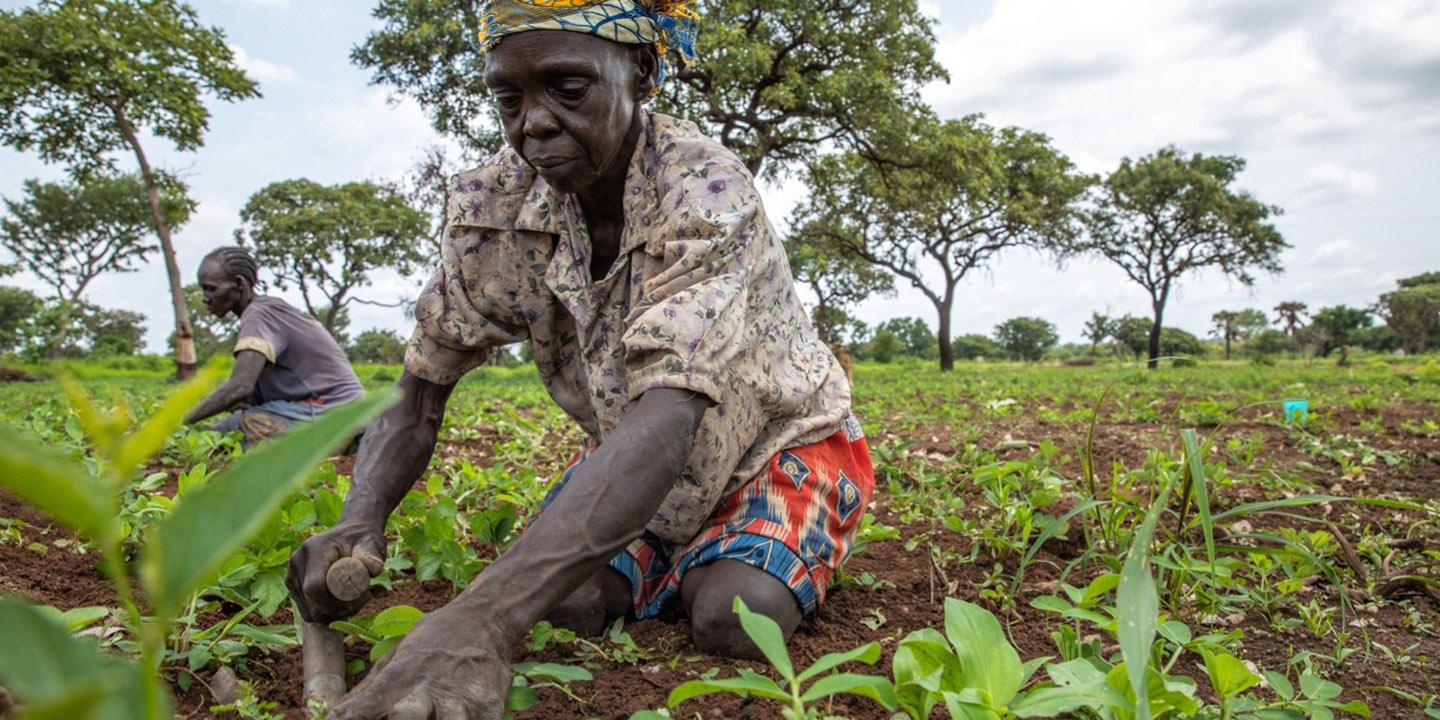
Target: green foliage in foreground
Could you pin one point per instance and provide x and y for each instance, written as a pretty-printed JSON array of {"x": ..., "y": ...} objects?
[
  {"x": 468, "y": 510},
  {"x": 182, "y": 552}
]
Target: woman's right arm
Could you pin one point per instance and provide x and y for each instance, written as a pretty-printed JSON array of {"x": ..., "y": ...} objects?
[{"x": 394, "y": 452}]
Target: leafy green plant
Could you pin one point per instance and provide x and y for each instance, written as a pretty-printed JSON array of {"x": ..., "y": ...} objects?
[
  {"x": 799, "y": 694},
  {"x": 973, "y": 671},
  {"x": 60, "y": 676}
]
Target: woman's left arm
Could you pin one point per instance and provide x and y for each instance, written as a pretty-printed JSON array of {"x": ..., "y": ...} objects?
[{"x": 248, "y": 364}]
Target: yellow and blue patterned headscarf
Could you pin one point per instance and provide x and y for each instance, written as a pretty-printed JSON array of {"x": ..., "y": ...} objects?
[{"x": 664, "y": 23}]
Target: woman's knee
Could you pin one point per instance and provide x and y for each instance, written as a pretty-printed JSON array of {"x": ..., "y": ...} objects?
[
  {"x": 709, "y": 594},
  {"x": 590, "y": 607}
]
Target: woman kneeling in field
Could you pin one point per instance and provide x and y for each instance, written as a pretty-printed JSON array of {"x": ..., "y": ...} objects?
[
  {"x": 288, "y": 369},
  {"x": 634, "y": 255}
]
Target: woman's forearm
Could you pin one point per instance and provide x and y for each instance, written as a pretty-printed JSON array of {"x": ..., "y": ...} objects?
[
  {"x": 607, "y": 504},
  {"x": 395, "y": 450}
]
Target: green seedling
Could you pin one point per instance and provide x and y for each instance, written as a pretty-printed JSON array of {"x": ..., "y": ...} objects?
[
  {"x": 802, "y": 690},
  {"x": 57, "y": 675}
]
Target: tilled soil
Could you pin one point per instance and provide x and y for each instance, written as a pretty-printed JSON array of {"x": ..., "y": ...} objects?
[{"x": 913, "y": 587}]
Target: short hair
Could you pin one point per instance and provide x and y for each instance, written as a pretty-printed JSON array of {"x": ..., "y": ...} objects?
[{"x": 235, "y": 260}]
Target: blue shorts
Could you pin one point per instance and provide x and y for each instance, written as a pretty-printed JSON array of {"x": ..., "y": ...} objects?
[{"x": 269, "y": 419}]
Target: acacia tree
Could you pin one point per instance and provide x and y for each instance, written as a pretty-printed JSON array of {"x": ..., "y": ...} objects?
[
  {"x": 1166, "y": 215},
  {"x": 1291, "y": 316},
  {"x": 1098, "y": 329},
  {"x": 1336, "y": 327},
  {"x": 776, "y": 82},
  {"x": 838, "y": 279},
  {"x": 68, "y": 234},
  {"x": 82, "y": 79},
  {"x": 1231, "y": 325},
  {"x": 326, "y": 240},
  {"x": 1413, "y": 311},
  {"x": 955, "y": 197}
]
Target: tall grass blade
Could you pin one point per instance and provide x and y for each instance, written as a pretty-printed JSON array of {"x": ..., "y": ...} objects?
[
  {"x": 1200, "y": 491},
  {"x": 1138, "y": 607}
]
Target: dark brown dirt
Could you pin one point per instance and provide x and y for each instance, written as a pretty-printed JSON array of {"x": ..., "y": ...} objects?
[
  {"x": 1407, "y": 623},
  {"x": 9, "y": 374},
  {"x": 47, "y": 563}
]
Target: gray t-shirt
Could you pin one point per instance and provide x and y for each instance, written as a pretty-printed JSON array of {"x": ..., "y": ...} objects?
[{"x": 305, "y": 363}]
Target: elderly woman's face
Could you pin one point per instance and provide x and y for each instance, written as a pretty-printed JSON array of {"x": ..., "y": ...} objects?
[
  {"x": 220, "y": 290},
  {"x": 568, "y": 102}
]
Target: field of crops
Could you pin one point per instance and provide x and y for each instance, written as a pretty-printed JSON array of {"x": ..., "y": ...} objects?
[{"x": 1257, "y": 567}]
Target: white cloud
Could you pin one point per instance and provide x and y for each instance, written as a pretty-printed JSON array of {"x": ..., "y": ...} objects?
[
  {"x": 262, "y": 70},
  {"x": 376, "y": 136},
  {"x": 1334, "y": 183}
]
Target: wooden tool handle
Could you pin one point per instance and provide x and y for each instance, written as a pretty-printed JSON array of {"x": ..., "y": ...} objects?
[
  {"x": 347, "y": 579},
  {"x": 324, "y": 649}
]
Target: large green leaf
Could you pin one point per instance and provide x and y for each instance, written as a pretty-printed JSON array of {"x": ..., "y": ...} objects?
[
  {"x": 867, "y": 654},
  {"x": 987, "y": 660},
  {"x": 1228, "y": 675},
  {"x": 924, "y": 664},
  {"x": 1138, "y": 607},
  {"x": 45, "y": 667},
  {"x": 876, "y": 688},
  {"x": 147, "y": 440},
  {"x": 748, "y": 683},
  {"x": 766, "y": 635},
  {"x": 45, "y": 479},
  {"x": 185, "y": 550},
  {"x": 1049, "y": 702},
  {"x": 393, "y": 622}
]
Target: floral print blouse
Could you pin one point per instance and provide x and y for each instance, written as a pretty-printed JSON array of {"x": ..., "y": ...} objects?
[{"x": 700, "y": 298}]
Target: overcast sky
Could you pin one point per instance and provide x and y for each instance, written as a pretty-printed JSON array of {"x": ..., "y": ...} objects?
[{"x": 1336, "y": 106}]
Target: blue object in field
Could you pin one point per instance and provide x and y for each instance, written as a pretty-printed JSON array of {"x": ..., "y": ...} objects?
[{"x": 1297, "y": 411}]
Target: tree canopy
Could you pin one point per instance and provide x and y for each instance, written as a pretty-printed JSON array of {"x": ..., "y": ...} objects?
[
  {"x": 1335, "y": 328},
  {"x": 776, "y": 82},
  {"x": 837, "y": 278},
  {"x": 1413, "y": 311},
  {"x": 82, "y": 79},
  {"x": 69, "y": 233},
  {"x": 956, "y": 196},
  {"x": 1232, "y": 325},
  {"x": 1098, "y": 329},
  {"x": 1026, "y": 338},
  {"x": 327, "y": 240},
  {"x": 1168, "y": 215}
]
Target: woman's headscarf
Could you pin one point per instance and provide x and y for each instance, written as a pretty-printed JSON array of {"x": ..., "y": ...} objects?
[{"x": 666, "y": 24}]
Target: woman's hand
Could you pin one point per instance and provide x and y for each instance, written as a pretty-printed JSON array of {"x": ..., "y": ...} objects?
[
  {"x": 450, "y": 667},
  {"x": 305, "y": 576}
]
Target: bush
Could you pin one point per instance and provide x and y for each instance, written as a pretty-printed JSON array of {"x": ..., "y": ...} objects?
[
  {"x": 377, "y": 346},
  {"x": 975, "y": 347},
  {"x": 1026, "y": 338},
  {"x": 1269, "y": 342}
]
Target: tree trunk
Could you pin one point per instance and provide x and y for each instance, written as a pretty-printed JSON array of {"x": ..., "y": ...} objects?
[
  {"x": 947, "y": 353},
  {"x": 57, "y": 341},
  {"x": 1227, "y": 346},
  {"x": 185, "y": 362},
  {"x": 1159, "y": 313},
  {"x": 822, "y": 325}
]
